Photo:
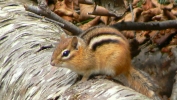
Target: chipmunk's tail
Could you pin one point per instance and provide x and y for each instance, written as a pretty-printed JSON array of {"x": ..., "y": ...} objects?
[{"x": 141, "y": 82}]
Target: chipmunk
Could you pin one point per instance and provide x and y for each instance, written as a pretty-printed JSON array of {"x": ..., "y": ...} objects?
[{"x": 100, "y": 50}]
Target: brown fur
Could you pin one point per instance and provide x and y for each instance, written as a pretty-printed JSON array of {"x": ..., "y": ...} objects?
[{"x": 111, "y": 56}]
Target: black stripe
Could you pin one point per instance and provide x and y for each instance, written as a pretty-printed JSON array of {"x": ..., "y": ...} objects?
[
  {"x": 101, "y": 34},
  {"x": 88, "y": 30},
  {"x": 103, "y": 42}
]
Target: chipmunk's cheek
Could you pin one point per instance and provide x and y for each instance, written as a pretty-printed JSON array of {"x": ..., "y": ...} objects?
[
  {"x": 59, "y": 64},
  {"x": 66, "y": 65}
]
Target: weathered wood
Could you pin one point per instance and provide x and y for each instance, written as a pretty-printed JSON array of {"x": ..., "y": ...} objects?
[
  {"x": 26, "y": 46},
  {"x": 162, "y": 68}
]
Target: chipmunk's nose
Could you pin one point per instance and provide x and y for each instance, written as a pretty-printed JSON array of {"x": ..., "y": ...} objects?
[{"x": 52, "y": 63}]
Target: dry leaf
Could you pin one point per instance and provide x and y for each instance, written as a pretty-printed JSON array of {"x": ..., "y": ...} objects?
[
  {"x": 65, "y": 10},
  {"x": 142, "y": 36},
  {"x": 129, "y": 34},
  {"x": 160, "y": 17},
  {"x": 104, "y": 19},
  {"x": 169, "y": 6},
  {"x": 174, "y": 11},
  {"x": 151, "y": 13},
  {"x": 169, "y": 14},
  {"x": 155, "y": 3},
  {"x": 101, "y": 11},
  {"x": 163, "y": 35},
  {"x": 167, "y": 50},
  {"x": 84, "y": 10},
  {"x": 148, "y": 5},
  {"x": 129, "y": 17},
  {"x": 72, "y": 4},
  {"x": 174, "y": 40},
  {"x": 91, "y": 23}
]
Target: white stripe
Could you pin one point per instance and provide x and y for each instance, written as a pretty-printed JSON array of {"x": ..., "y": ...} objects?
[{"x": 104, "y": 37}]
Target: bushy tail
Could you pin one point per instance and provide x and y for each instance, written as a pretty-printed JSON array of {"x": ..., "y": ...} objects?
[{"x": 141, "y": 82}]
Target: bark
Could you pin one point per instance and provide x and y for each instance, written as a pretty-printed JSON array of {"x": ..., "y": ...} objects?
[
  {"x": 162, "y": 68},
  {"x": 26, "y": 46}
]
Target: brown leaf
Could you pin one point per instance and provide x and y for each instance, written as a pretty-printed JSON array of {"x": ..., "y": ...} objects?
[
  {"x": 152, "y": 12},
  {"x": 104, "y": 19},
  {"x": 101, "y": 11},
  {"x": 72, "y": 4},
  {"x": 148, "y": 5},
  {"x": 129, "y": 34},
  {"x": 148, "y": 14},
  {"x": 169, "y": 6},
  {"x": 129, "y": 17},
  {"x": 163, "y": 35},
  {"x": 65, "y": 9},
  {"x": 160, "y": 17},
  {"x": 62, "y": 9},
  {"x": 174, "y": 11},
  {"x": 169, "y": 14},
  {"x": 167, "y": 50},
  {"x": 91, "y": 23},
  {"x": 156, "y": 3},
  {"x": 174, "y": 40},
  {"x": 142, "y": 36},
  {"x": 84, "y": 10}
]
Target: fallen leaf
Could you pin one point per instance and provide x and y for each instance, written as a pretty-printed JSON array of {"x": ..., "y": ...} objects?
[
  {"x": 174, "y": 40},
  {"x": 169, "y": 14},
  {"x": 104, "y": 19},
  {"x": 174, "y": 11},
  {"x": 169, "y": 6},
  {"x": 101, "y": 11},
  {"x": 65, "y": 9},
  {"x": 142, "y": 36},
  {"x": 84, "y": 10},
  {"x": 149, "y": 14},
  {"x": 147, "y": 5},
  {"x": 129, "y": 34},
  {"x": 129, "y": 16},
  {"x": 90, "y": 23},
  {"x": 163, "y": 35},
  {"x": 160, "y": 17}
]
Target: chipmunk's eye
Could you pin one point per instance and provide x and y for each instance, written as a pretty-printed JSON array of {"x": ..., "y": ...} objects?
[{"x": 65, "y": 53}]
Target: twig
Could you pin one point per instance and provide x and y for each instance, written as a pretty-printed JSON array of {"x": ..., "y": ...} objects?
[
  {"x": 131, "y": 9},
  {"x": 37, "y": 16},
  {"x": 49, "y": 14},
  {"x": 133, "y": 18},
  {"x": 146, "y": 26}
]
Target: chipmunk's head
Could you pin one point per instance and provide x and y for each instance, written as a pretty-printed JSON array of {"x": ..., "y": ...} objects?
[{"x": 65, "y": 52}]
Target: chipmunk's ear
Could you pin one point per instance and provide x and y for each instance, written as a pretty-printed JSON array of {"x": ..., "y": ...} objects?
[{"x": 74, "y": 42}]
